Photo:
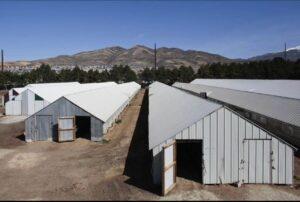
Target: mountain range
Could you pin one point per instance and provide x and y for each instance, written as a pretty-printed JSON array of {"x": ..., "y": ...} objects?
[
  {"x": 141, "y": 56},
  {"x": 292, "y": 54}
]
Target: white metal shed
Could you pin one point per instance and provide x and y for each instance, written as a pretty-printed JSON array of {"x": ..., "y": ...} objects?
[
  {"x": 100, "y": 107},
  {"x": 232, "y": 150},
  {"x": 35, "y": 97}
]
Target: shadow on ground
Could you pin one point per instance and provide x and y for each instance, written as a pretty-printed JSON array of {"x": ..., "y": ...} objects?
[
  {"x": 21, "y": 137},
  {"x": 138, "y": 162}
]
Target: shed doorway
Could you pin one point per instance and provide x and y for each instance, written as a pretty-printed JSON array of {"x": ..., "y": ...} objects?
[
  {"x": 189, "y": 159},
  {"x": 83, "y": 126}
]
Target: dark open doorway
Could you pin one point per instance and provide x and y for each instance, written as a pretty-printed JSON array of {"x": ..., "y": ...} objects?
[
  {"x": 83, "y": 124},
  {"x": 189, "y": 159}
]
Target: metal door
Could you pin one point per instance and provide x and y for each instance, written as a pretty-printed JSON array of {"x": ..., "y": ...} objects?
[{"x": 257, "y": 161}]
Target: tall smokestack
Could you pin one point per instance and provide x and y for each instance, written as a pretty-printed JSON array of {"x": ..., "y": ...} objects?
[
  {"x": 2, "y": 61},
  {"x": 155, "y": 62}
]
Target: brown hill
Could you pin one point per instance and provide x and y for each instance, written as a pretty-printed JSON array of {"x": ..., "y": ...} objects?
[{"x": 136, "y": 57}]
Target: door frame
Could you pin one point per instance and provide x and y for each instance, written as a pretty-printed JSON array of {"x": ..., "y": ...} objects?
[{"x": 173, "y": 166}]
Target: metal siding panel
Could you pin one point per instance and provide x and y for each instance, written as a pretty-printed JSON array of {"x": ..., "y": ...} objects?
[
  {"x": 227, "y": 146},
  {"x": 289, "y": 165},
  {"x": 281, "y": 160},
  {"x": 274, "y": 159},
  {"x": 259, "y": 161},
  {"x": 262, "y": 134},
  {"x": 248, "y": 130},
  {"x": 255, "y": 132},
  {"x": 246, "y": 161},
  {"x": 24, "y": 110},
  {"x": 252, "y": 161},
  {"x": 200, "y": 129},
  {"x": 206, "y": 150},
  {"x": 43, "y": 127},
  {"x": 213, "y": 148},
  {"x": 185, "y": 134},
  {"x": 38, "y": 105},
  {"x": 30, "y": 103},
  {"x": 267, "y": 161},
  {"x": 179, "y": 136},
  {"x": 192, "y": 130},
  {"x": 221, "y": 153},
  {"x": 234, "y": 148},
  {"x": 241, "y": 135}
]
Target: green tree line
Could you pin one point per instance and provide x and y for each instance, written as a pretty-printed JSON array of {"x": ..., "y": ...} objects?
[{"x": 269, "y": 69}]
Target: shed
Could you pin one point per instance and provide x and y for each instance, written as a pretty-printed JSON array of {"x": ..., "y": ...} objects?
[
  {"x": 277, "y": 111},
  {"x": 37, "y": 96},
  {"x": 208, "y": 142},
  {"x": 93, "y": 112}
]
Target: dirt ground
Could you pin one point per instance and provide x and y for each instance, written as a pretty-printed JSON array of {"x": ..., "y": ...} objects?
[{"x": 115, "y": 169}]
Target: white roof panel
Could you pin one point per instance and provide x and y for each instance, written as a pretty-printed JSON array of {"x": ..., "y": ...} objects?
[
  {"x": 129, "y": 88},
  {"x": 172, "y": 110},
  {"x": 101, "y": 102},
  {"x": 281, "y": 108},
  {"x": 52, "y": 84},
  {"x": 283, "y": 88},
  {"x": 53, "y": 92}
]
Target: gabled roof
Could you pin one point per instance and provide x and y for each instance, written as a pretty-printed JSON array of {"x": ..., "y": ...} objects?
[
  {"x": 101, "y": 102},
  {"x": 282, "y": 88},
  {"x": 280, "y": 108},
  {"x": 19, "y": 90},
  {"x": 172, "y": 110},
  {"x": 53, "y": 92}
]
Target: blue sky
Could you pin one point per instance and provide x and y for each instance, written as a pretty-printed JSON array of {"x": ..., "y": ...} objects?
[{"x": 235, "y": 29}]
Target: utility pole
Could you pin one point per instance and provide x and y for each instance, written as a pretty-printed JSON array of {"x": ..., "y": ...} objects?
[
  {"x": 2, "y": 61},
  {"x": 285, "y": 51},
  {"x": 155, "y": 62}
]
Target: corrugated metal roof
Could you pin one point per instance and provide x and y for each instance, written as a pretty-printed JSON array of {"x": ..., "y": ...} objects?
[
  {"x": 53, "y": 92},
  {"x": 283, "y": 88},
  {"x": 172, "y": 110},
  {"x": 281, "y": 108},
  {"x": 103, "y": 102}
]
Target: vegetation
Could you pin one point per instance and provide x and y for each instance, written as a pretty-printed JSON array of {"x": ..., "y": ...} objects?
[{"x": 269, "y": 69}]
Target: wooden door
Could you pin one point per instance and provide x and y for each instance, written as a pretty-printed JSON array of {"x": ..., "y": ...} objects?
[
  {"x": 169, "y": 168},
  {"x": 66, "y": 129}
]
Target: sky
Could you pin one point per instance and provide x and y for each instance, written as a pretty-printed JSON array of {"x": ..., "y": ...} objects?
[{"x": 236, "y": 29}]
